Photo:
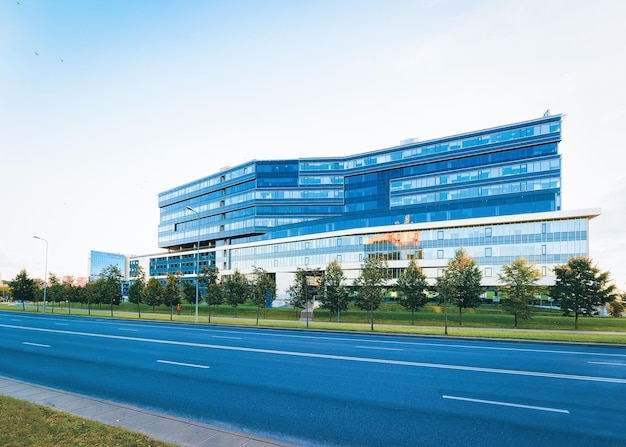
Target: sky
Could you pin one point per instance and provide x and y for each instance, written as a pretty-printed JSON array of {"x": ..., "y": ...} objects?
[{"x": 106, "y": 103}]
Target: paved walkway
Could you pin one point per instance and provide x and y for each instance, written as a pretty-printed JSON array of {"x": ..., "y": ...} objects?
[{"x": 158, "y": 426}]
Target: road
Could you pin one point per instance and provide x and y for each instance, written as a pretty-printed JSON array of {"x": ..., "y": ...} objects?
[{"x": 331, "y": 389}]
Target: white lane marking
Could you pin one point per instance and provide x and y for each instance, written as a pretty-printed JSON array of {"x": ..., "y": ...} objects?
[
  {"x": 15, "y": 319},
  {"x": 607, "y": 363},
  {"x": 61, "y": 324},
  {"x": 191, "y": 365},
  {"x": 447, "y": 345},
  {"x": 506, "y": 404},
  {"x": 379, "y": 348},
  {"x": 127, "y": 330},
  {"x": 39, "y": 345},
  {"x": 331, "y": 356},
  {"x": 410, "y": 343},
  {"x": 225, "y": 337}
]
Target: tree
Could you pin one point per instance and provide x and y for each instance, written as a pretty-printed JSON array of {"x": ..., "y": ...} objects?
[
  {"x": 369, "y": 285},
  {"x": 236, "y": 290},
  {"x": 172, "y": 292},
  {"x": 263, "y": 289},
  {"x": 460, "y": 284},
  {"x": 616, "y": 308},
  {"x": 5, "y": 291},
  {"x": 153, "y": 293},
  {"x": 55, "y": 290},
  {"x": 519, "y": 279},
  {"x": 581, "y": 287},
  {"x": 214, "y": 294},
  {"x": 93, "y": 293},
  {"x": 333, "y": 294},
  {"x": 413, "y": 288},
  {"x": 112, "y": 286},
  {"x": 23, "y": 288},
  {"x": 305, "y": 286},
  {"x": 189, "y": 292},
  {"x": 136, "y": 291},
  {"x": 72, "y": 294}
]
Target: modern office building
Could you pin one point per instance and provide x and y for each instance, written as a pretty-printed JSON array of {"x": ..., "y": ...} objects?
[
  {"x": 494, "y": 192},
  {"x": 99, "y": 260}
]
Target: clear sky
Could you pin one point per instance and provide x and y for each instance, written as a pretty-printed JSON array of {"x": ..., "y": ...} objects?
[{"x": 104, "y": 104}]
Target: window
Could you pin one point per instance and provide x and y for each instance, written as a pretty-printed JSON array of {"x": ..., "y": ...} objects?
[
  {"x": 488, "y": 272},
  {"x": 543, "y": 249},
  {"x": 487, "y": 252},
  {"x": 440, "y": 235},
  {"x": 488, "y": 232},
  {"x": 439, "y": 254}
]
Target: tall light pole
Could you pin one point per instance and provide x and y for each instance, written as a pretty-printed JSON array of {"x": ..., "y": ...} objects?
[
  {"x": 198, "y": 258},
  {"x": 45, "y": 278}
]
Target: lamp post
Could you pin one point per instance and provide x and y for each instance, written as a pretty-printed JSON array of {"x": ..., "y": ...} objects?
[
  {"x": 45, "y": 278},
  {"x": 198, "y": 258}
]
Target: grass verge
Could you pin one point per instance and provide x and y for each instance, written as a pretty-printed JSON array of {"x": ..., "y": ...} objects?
[
  {"x": 488, "y": 321},
  {"x": 27, "y": 424}
]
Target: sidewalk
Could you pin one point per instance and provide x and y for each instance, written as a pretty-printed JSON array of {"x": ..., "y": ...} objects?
[{"x": 158, "y": 426}]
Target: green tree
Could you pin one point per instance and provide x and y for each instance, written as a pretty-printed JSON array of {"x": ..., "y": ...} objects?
[
  {"x": 333, "y": 294},
  {"x": 616, "y": 308},
  {"x": 581, "y": 288},
  {"x": 369, "y": 286},
  {"x": 519, "y": 279},
  {"x": 154, "y": 293},
  {"x": 112, "y": 287},
  {"x": 136, "y": 290},
  {"x": 263, "y": 289},
  {"x": 93, "y": 294},
  {"x": 460, "y": 284},
  {"x": 214, "y": 295},
  {"x": 189, "y": 292},
  {"x": 55, "y": 290},
  {"x": 304, "y": 288},
  {"x": 413, "y": 289},
  {"x": 172, "y": 292},
  {"x": 236, "y": 290},
  {"x": 71, "y": 294},
  {"x": 23, "y": 288}
]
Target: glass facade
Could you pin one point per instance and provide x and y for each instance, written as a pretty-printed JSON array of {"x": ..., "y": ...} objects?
[
  {"x": 99, "y": 260},
  {"x": 495, "y": 192}
]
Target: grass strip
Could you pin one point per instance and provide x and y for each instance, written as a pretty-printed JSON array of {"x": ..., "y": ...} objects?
[{"x": 28, "y": 424}]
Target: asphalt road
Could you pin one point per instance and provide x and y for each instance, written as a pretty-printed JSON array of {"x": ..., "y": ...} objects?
[{"x": 331, "y": 389}]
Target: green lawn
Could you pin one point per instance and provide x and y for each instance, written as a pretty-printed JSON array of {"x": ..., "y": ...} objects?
[
  {"x": 27, "y": 424},
  {"x": 391, "y": 317}
]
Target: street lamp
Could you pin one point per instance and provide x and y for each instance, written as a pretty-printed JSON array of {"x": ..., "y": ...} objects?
[
  {"x": 45, "y": 279},
  {"x": 198, "y": 258}
]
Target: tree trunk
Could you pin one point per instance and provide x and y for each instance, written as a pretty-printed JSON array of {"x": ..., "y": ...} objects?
[
  {"x": 576, "y": 320},
  {"x": 460, "y": 316}
]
